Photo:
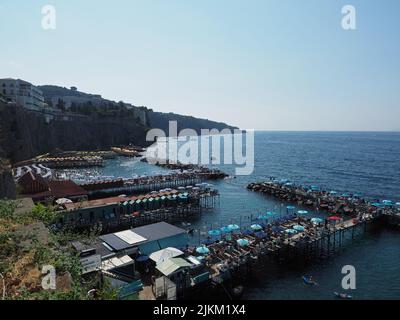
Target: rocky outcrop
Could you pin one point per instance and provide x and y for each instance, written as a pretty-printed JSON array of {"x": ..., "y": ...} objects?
[{"x": 161, "y": 121}]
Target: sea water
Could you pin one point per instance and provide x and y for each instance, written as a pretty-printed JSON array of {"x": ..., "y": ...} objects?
[{"x": 363, "y": 163}]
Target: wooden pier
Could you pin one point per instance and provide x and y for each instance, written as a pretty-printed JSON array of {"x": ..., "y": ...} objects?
[
  {"x": 144, "y": 184},
  {"x": 346, "y": 204},
  {"x": 229, "y": 264}
]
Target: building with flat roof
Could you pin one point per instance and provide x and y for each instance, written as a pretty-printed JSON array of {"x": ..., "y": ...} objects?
[
  {"x": 22, "y": 93},
  {"x": 147, "y": 239},
  {"x": 115, "y": 250}
]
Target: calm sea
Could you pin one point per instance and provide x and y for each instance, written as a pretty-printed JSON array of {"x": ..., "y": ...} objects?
[{"x": 363, "y": 163}]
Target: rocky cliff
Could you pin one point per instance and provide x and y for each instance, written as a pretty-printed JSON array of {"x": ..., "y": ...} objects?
[
  {"x": 25, "y": 134},
  {"x": 79, "y": 121},
  {"x": 7, "y": 185}
]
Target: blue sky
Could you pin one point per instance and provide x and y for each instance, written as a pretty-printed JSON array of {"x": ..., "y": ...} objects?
[{"x": 267, "y": 64}]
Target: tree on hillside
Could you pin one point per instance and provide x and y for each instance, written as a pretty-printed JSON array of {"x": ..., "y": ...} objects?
[{"x": 60, "y": 104}]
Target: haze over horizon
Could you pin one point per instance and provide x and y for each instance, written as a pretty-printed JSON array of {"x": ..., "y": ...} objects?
[{"x": 266, "y": 65}]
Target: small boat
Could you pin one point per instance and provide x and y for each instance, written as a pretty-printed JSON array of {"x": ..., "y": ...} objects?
[
  {"x": 344, "y": 296},
  {"x": 309, "y": 281},
  {"x": 237, "y": 291}
]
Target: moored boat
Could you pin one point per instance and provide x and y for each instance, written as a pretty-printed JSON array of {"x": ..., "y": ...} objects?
[{"x": 344, "y": 296}]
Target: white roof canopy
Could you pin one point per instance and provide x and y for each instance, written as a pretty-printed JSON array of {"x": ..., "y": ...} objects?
[
  {"x": 130, "y": 237},
  {"x": 165, "y": 254},
  {"x": 115, "y": 262}
]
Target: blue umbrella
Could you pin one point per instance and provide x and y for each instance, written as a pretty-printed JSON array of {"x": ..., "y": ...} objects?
[
  {"x": 242, "y": 242},
  {"x": 314, "y": 188},
  {"x": 270, "y": 213},
  {"x": 256, "y": 227},
  {"x": 260, "y": 234},
  {"x": 142, "y": 258},
  {"x": 214, "y": 233},
  {"x": 277, "y": 229},
  {"x": 317, "y": 220},
  {"x": 298, "y": 228},
  {"x": 345, "y": 195},
  {"x": 233, "y": 227},
  {"x": 387, "y": 202},
  {"x": 376, "y": 204},
  {"x": 261, "y": 217},
  {"x": 291, "y": 231},
  {"x": 202, "y": 250},
  {"x": 247, "y": 232},
  {"x": 225, "y": 230},
  {"x": 290, "y": 207},
  {"x": 333, "y": 192},
  {"x": 398, "y": 204},
  {"x": 302, "y": 212}
]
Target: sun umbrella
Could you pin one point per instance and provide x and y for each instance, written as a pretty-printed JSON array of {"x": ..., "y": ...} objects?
[
  {"x": 63, "y": 201},
  {"x": 316, "y": 220},
  {"x": 215, "y": 232},
  {"x": 302, "y": 212},
  {"x": 397, "y": 203},
  {"x": 202, "y": 250},
  {"x": 333, "y": 193},
  {"x": 225, "y": 230},
  {"x": 387, "y": 202},
  {"x": 247, "y": 232},
  {"x": 277, "y": 229},
  {"x": 290, "y": 207},
  {"x": 291, "y": 231},
  {"x": 262, "y": 217},
  {"x": 260, "y": 234},
  {"x": 314, "y": 188},
  {"x": 142, "y": 258},
  {"x": 270, "y": 213},
  {"x": 256, "y": 227},
  {"x": 298, "y": 227},
  {"x": 334, "y": 218},
  {"x": 376, "y": 204},
  {"x": 345, "y": 195},
  {"x": 233, "y": 227},
  {"x": 242, "y": 242}
]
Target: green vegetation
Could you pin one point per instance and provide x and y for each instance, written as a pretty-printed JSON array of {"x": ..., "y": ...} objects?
[
  {"x": 27, "y": 244},
  {"x": 105, "y": 110}
]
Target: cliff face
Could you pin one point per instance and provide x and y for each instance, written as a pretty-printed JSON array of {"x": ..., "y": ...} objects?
[
  {"x": 7, "y": 185},
  {"x": 81, "y": 121},
  {"x": 25, "y": 134}
]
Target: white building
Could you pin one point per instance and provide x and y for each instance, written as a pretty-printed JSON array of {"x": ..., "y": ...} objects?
[{"x": 22, "y": 93}]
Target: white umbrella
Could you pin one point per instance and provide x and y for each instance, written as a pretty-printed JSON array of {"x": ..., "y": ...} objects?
[{"x": 63, "y": 201}]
